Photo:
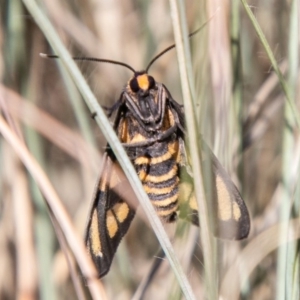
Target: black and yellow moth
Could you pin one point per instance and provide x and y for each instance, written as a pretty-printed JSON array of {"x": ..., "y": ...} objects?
[{"x": 150, "y": 125}]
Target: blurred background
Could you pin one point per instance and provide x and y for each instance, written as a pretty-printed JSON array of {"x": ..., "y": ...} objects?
[{"x": 242, "y": 112}]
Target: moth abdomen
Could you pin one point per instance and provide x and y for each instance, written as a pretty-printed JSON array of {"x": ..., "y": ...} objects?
[{"x": 160, "y": 178}]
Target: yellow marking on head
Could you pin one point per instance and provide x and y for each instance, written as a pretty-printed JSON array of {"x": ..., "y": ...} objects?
[
  {"x": 111, "y": 224},
  {"x": 95, "y": 243},
  {"x": 143, "y": 81},
  {"x": 157, "y": 179},
  {"x": 165, "y": 202},
  {"x": 121, "y": 211},
  {"x": 159, "y": 191},
  {"x": 227, "y": 208}
]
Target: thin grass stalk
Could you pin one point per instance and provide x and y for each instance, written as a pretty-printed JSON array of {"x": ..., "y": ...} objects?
[
  {"x": 273, "y": 61},
  {"x": 295, "y": 295},
  {"x": 286, "y": 203},
  {"x": 26, "y": 263},
  {"x": 16, "y": 62},
  {"x": 253, "y": 255},
  {"x": 69, "y": 259},
  {"x": 63, "y": 219},
  {"x": 44, "y": 234},
  {"x": 14, "y": 48},
  {"x": 294, "y": 268},
  {"x": 70, "y": 141},
  {"x": 184, "y": 60},
  {"x": 287, "y": 252},
  {"x": 112, "y": 139},
  {"x": 78, "y": 108},
  {"x": 221, "y": 79},
  {"x": 75, "y": 243},
  {"x": 236, "y": 107},
  {"x": 45, "y": 239},
  {"x": 293, "y": 263}
]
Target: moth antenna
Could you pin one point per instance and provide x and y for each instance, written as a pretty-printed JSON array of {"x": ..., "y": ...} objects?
[
  {"x": 173, "y": 46},
  {"x": 44, "y": 55}
]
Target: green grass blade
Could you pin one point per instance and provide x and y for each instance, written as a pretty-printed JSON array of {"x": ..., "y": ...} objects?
[
  {"x": 287, "y": 254},
  {"x": 183, "y": 55},
  {"x": 273, "y": 61}
]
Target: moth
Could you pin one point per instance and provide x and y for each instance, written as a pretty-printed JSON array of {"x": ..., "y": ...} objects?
[{"x": 151, "y": 126}]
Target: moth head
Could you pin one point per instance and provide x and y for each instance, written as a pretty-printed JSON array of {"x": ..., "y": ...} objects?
[
  {"x": 142, "y": 97},
  {"x": 141, "y": 82}
]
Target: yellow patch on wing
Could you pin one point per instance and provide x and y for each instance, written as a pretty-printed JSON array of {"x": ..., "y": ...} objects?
[
  {"x": 236, "y": 211},
  {"x": 227, "y": 209},
  {"x": 121, "y": 211},
  {"x": 111, "y": 224},
  {"x": 95, "y": 243}
]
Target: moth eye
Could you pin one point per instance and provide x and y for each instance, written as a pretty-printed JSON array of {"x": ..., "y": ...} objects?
[
  {"x": 134, "y": 86},
  {"x": 151, "y": 82}
]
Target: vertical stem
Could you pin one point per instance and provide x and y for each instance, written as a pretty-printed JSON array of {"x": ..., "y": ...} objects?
[
  {"x": 183, "y": 55},
  {"x": 287, "y": 252}
]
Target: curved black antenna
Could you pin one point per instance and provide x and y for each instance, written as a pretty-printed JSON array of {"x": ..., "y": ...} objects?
[
  {"x": 167, "y": 49},
  {"x": 121, "y": 63},
  {"x": 93, "y": 59}
]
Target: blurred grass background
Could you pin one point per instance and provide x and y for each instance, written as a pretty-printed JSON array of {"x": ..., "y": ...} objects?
[{"x": 243, "y": 114}]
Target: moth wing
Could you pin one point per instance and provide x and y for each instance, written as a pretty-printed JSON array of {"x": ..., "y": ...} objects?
[
  {"x": 231, "y": 217},
  {"x": 110, "y": 215}
]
